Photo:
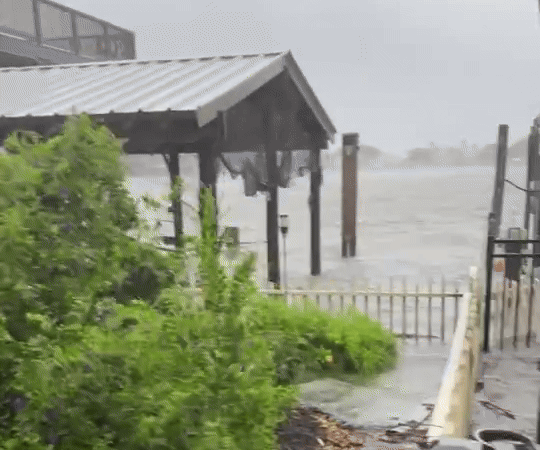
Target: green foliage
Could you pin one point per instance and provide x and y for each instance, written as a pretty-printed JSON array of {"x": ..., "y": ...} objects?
[
  {"x": 99, "y": 346},
  {"x": 64, "y": 213},
  {"x": 305, "y": 339},
  {"x": 148, "y": 380}
]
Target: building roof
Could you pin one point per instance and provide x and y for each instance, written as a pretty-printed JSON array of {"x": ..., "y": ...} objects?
[{"x": 203, "y": 86}]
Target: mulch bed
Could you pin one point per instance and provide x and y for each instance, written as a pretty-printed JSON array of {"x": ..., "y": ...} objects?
[{"x": 311, "y": 429}]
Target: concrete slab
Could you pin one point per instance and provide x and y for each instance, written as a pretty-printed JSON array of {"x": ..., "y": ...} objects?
[
  {"x": 458, "y": 444},
  {"x": 394, "y": 397},
  {"x": 511, "y": 381}
]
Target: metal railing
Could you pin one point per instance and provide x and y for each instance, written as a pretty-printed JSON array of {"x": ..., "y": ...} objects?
[
  {"x": 426, "y": 313},
  {"x": 411, "y": 308},
  {"x": 516, "y": 301},
  {"x": 52, "y": 25}
]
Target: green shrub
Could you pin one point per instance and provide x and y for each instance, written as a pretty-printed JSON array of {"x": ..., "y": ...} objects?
[
  {"x": 100, "y": 348},
  {"x": 304, "y": 339},
  {"x": 146, "y": 380},
  {"x": 64, "y": 214},
  {"x": 161, "y": 376}
]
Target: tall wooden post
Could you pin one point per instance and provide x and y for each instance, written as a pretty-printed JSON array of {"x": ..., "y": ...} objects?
[
  {"x": 208, "y": 179},
  {"x": 272, "y": 236},
  {"x": 487, "y": 300},
  {"x": 350, "y": 173},
  {"x": 496, "y": 208},
  {"x": 208, "y": 168},
  {"x": 532, "y": 173},
  {"x": 272, "y": 210},
  {"x": 172, "y": 161},
  {"x": 315, "y": 210},
  {"x": 535, "y": 197}
]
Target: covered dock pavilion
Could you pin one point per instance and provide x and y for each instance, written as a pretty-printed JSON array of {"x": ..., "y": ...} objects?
[{"x": 255, "y": 114}]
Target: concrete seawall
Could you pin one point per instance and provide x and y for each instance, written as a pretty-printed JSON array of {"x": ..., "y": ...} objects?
[{"x": 453, "y": 408}]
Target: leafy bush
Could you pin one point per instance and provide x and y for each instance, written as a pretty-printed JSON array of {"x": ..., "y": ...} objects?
[
  {"x": 64, "y": 213},
  {"x": 305, "y": 340},
  {"x": 165, "y": 376},
  {"x": 150, "y": 381},
  {"x": 100, "y": 348}
]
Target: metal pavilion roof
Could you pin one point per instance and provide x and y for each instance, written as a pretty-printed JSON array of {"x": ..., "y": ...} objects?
[{"x": 203, "y": 86}]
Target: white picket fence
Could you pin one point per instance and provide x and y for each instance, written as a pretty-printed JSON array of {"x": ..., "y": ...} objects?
[{"x": 428, "y": 313}]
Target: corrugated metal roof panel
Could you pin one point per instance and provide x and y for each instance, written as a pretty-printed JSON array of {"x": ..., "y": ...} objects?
[{"x": 204, "y": 86}]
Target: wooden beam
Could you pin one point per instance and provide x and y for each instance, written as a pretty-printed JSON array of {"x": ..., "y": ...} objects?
[
  {"x": 53, "y": 130},
  {"x": 166, "y": 120},
  {"x": 147, "y": 137},
  {"x": 250, "y": 141}
]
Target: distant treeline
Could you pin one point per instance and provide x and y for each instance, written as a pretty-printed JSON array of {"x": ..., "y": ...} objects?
[
  {"x": 429, "y": 157},
  {"x": 368, "y": 158}
]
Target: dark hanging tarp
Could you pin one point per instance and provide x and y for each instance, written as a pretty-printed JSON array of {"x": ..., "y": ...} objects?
[{"x": 251, "y": 166}]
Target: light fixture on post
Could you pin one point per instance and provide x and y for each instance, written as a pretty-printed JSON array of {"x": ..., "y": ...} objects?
[{"x": 284, "y": 227}]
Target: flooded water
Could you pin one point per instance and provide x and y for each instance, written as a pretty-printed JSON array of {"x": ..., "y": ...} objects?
[{"x": 413, "y": 223}]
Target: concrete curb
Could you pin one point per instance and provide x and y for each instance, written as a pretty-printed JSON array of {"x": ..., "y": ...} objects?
[{"x": 452, "y": 413}]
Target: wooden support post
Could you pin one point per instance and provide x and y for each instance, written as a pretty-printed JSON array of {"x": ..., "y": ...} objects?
[
  {"x": 535, "y": 197},
  {"x": 208, "y": 179},
  {"x": 497, "y": 204},
  {"x": 532, "y": 170},
  {"x": 208, "y": 168},
  {"x": 487, "y": 300},
  {"x": 272, "y": 236},
  {"x": 172, "y": 161},
  {"x": 315, "y": 210},
  {"x": 348, "y": 233},
  {"x": 272, "y": 209}
]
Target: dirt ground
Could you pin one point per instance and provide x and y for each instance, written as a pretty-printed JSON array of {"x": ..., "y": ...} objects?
[{"x": 310, "y": 429}]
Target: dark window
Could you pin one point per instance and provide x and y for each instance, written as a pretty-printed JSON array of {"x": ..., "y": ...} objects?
[{"x": 17, "y": 15}]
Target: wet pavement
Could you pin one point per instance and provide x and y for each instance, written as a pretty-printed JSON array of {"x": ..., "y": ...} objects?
[
  {"x": 394, "y": 397},
  {"x": 512, "y": 384}
]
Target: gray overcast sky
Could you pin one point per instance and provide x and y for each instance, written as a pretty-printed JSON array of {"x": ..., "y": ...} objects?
[{"x": 402, "y": 74}]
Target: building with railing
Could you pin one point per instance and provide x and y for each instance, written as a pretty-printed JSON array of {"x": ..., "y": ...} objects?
[{"x": 42, "y": 32}]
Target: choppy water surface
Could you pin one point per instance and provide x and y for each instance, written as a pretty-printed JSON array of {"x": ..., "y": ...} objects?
[{"x": 414, "y": 223}]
